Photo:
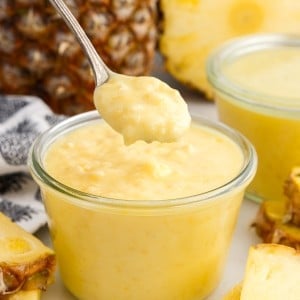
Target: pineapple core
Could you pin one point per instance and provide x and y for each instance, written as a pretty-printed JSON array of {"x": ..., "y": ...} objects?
[{"x": 142, "y": 108}]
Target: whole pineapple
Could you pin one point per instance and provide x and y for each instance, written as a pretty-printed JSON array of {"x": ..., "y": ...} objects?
[
  {"x": 40, "y": 56},
  {"x": 191, "y": 29}
]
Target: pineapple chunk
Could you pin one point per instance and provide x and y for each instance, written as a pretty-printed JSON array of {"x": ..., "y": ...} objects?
[
  {"x": 191, "y": 29},
  {"x": 279, "y": 221},
  {"x": 25, "y": 262},
  {"x": 269, "y": 215},
  {"x": 272, "y": 273}
]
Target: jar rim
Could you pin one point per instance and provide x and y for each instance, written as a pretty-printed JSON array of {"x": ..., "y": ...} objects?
[
  {"x": 43, "y": 141},
  {"x": 244, "y": 45}
]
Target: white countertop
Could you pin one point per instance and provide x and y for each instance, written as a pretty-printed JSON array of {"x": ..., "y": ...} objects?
[{"x": 244, "y": 235}]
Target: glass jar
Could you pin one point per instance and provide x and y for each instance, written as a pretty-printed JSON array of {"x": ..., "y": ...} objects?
[
  {"x": 140, "y": 249},
  {"x": 256, "y": 82}
]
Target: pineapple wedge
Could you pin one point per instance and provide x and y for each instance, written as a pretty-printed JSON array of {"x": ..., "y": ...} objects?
[
  {"x": 272, "y": 273},
  {"x": 25, "y": 262},
  {"x": 191, "y": 29}
]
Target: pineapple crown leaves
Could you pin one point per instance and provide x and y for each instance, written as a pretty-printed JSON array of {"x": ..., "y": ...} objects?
[
  {"x": 15, "y": 211},
  {"x": 9, "y": 107},
  {"x": 13, "y": 182}
]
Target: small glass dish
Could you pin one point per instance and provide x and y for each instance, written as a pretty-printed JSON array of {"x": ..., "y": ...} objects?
[{"x": 256, "y": 83}]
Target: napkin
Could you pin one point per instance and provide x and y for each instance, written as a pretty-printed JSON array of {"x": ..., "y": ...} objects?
[{"x": 22, "y": 119}]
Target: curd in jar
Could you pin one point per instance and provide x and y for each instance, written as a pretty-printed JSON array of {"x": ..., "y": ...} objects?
[
  {"x": 257, "y": 91},
  {"x": 144, "y": 221}
]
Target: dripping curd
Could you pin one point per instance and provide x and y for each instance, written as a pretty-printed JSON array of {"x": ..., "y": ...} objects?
[{"x": 142, "y": 108}]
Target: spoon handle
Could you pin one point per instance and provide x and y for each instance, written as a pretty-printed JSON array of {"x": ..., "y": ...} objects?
[{"x": 100, "y": 70}]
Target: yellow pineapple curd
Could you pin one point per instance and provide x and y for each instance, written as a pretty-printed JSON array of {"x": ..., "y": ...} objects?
[
  {"x": 142, "y": 108},
  {"x": 144, "y": 221},
  {"x": 257, "y": 91}
]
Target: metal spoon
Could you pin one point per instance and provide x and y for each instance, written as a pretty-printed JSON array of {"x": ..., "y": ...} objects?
[{"x": 100, "y": 70}]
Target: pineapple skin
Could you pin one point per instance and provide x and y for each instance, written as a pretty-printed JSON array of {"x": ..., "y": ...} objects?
[
  {"x": 192, "y": 29},
  {"x": 40, "y": 56},
  {"x": 25, "y": 262},
  {"x": 279, "y": 221},
  {"x": 272, "y": 226}
]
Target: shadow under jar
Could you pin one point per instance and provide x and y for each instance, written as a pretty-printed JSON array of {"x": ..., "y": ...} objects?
[
  {"x": 256, "y": 81},
  {"x": 152, "y": 246}
]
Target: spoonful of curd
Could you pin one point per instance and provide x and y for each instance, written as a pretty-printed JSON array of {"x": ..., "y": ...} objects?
[{"x": 140, "y": 108}]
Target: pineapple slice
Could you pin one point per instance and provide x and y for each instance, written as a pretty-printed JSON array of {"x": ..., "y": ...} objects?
[
  {"x": 25, "y": 262},
  {"x": 191, "y": 29}
]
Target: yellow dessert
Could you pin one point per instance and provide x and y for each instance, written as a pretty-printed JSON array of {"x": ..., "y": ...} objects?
[
  {"x": 96, "y": 161},
  {"x": 260, "y": 96},
  {"x": 144, "y": 221},
  {"x": 142, "y": 108},
  {"x": 273, "y": 72}
]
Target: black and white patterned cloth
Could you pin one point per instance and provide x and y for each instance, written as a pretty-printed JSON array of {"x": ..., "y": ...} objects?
[{"x": 22, "y": 119}]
